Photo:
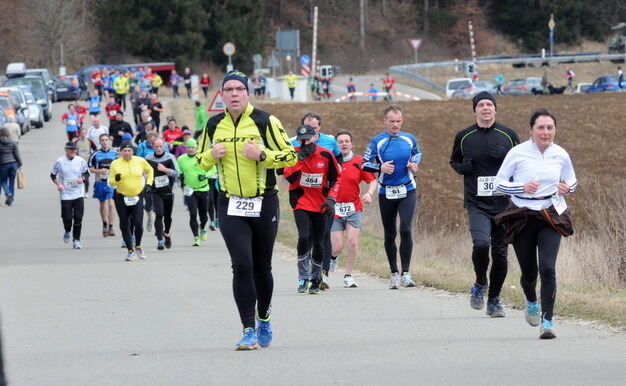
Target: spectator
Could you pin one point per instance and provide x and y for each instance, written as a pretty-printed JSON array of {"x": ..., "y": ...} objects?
[
  {"x": 10, "y": 161},
  {"x": 205, "y": 84}
]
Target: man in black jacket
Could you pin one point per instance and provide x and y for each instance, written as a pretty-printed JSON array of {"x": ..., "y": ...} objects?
[
  {"x": 117, "y": 129},
  {"x": 477, "y": 154}
]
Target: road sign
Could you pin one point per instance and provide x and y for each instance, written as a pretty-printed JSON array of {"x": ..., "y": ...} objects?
[
  {"x": 217, "y": 103},
  {"x": 229, "y": 49},
  {"x": 273, "y": 61},
  {"x": 305, "y": 70},
  {"x": 551, "y": 23},
  {"x": 415, "y": 43},
  {"x": 257, "y": 59},
  {"x": 305, "y": 60}
]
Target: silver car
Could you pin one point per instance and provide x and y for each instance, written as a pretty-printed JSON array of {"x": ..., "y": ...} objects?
[
  {"x": 34, "y": 109},
  {"x": 473, "y": 89}
]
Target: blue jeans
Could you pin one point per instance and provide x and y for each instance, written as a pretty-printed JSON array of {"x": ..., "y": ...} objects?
[{"x": 7, "y": 177}]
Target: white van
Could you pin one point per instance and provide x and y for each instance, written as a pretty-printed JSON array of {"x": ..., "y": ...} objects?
[
  {"x": 15, "y": 70},
  {"x": 455, "y": 83}
]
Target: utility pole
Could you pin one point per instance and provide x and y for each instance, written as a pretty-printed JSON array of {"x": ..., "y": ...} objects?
[
  {"x": 362, "y": 24},
  {"x": 314, "y": 48}
]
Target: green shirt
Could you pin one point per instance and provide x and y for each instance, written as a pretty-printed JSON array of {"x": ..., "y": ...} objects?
[{"x": 193, "y": 175}]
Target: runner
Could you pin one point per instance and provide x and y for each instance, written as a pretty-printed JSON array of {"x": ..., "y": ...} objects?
[
  {"x": 85, "y": 147},
  {"x": 173, "y": 133},
  {"x": 395, "y": 155},
  {"x": 112, "y": 109},
  {"x": 187, "y": 81},
  {"x": 95, "y": 131},
  {"x": 99, "y": 164},
  {"x": 156, "y": 108},
  {"x": 205, "y": 84},
  {"x": 328, "y": 142},
  {"x": 121, "y": 86},
  {"x": 70, "y": 120},
  {"x": 165, "y": 174},
  {"x": 537, "y": 174},
  {"x": 94, "y": 103},
  {"x": 68, "y": 174},
  {"x": 351, "y": 89},
  {"x": 195, "y": 184},
  {"x": 248, "y": 201},
  {"x": 349, "y": 206},
  {"x": 175, "y": 83},
  {"x": 126, "y": 175},
  {"x": 182, "y": 149},
  {"x": 118, "y": 128},
  {"x": 477, "y": 154},
  {"x": 313, "y": 185},
  {"x": 388, "y": 83}
]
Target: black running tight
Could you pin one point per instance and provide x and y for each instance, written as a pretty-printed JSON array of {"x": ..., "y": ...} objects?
[
  {"x": 72, "y": 215},
  {"x": 131, "y": 217},
  {"x": 536, "y": 247},
  {"x": 198, "y": 204},
  {"x": 163, "y": 205},
  {"x": 389, "y": 211}
]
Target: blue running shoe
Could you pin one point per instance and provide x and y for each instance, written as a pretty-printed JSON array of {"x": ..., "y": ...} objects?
[
  {"x": 477, "y": 298},
  {"x": 264, "y": 332},
  {"x": 532, "y": 313},
  {"x": 494, "y": 308},
  {"x": 66, "y": 237},
  {"x": 303, "y": 286},
  {"x": 546, "y": 330},
  {"x": 248, "y": 341}
]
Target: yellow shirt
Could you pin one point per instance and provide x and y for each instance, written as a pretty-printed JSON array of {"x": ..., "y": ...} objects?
[
  {"x": 132, "y": 173},
  {"x": 121, "y": 84},
  {"x": 292, "y": 80}
]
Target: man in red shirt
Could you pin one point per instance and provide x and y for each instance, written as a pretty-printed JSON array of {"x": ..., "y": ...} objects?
[
  {"x": 349, "y": 205},
  {"x": 205, "y": 84},
  {"x": 98, "y": 83},
  {"x": 112, "y": 108},
  {"x": 313, "y": 186},
  {"x": 172, "y": 133},
  {"x": 388, "y": 83}
]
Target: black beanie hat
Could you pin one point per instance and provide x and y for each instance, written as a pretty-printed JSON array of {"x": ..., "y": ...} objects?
[
  {"x": 480, "y": 96},
  {"x": 236, "y": 75}
]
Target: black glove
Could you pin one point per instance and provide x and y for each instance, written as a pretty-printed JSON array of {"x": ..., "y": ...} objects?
[
  {"x": 147, "y": 188},
  {"x": 328, "y": 207},
  {"x": 202, "y": 177},
  {"x": 305, "y": 151},
  {"x": 497, "y": 152},
  {"x": 118, "y": 177},
  {"x": 467, "y": 167}
]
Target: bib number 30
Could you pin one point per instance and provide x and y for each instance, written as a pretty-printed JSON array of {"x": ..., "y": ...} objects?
[
  {"x": 486, "y": 187},
  {"x": 245, "y": 206}
]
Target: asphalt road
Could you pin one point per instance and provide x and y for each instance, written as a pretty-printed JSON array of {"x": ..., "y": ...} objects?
[{"x": 85, "y": 317}]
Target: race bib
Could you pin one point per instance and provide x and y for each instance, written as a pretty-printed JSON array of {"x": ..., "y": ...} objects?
[
  {"x": 187, "y": 191},
  {"x": 559, "y": 203},
  {"x": 486, "y": 187},
  {"x": 244, "y": 206},
  {"x": 71, "y": 122},
  {"x": 130, "y": 201},
  {"x": 311, "y": 180},
  {"x": 344, "y": 209},
  {"x": 161, "y": 181},
  {"x": 70, "y": 183},
  {"x": 395, "y": 192}
]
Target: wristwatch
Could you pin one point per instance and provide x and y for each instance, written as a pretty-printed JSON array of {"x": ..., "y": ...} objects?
[{"x": 263, "y": 156}]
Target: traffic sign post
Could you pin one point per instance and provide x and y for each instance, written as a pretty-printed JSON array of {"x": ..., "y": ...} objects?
[
  {"x": 415, "y": 43},
  {"x": 229, "y": 50},
  {"x": 305, "y": 61},
  {"x": 217, "y": 103}
]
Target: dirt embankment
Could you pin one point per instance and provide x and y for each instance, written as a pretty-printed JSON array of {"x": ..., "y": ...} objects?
[{"x": 589, "y": 127}]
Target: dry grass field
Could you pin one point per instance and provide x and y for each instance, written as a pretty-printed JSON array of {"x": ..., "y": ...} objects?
[{"x": 592, "y": 280}]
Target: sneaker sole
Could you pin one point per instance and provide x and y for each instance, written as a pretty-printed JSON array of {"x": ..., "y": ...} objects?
[
  {"x": 549, "y": 334},
  {"x": 245, "y": 347},
  {"x": 350, "y": 286},
  {"x": 477, "y": 306},
  {"x": 160, "y": 247},
  {"x": 410, "y": 285},
  {"x": 497, "y": 315}
]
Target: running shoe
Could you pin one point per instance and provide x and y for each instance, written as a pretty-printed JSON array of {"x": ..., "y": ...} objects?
[
  {"x": 333, "y": 265},
  {"x": 406, "y": 280},
  {"x": 303, "y": 286},
  {"x": 66, "y": 237},
  {"x": 139, "y": 252},
  {"x": 324, "y": 284},
  {"x": 161, "y": 245},
  {"x": 203, "y": 235},
  {"x": 348, "y": 282},
  {"x": 111, "y": 231},
  {"x": 123, "y": 244},
  {"x": 77, "y": 245},
  {"x": 130, "y": 256},
  {"x": 477, "y": 296},
  {"x": 314, "y": 288},
  {"x": 168, "y": 240},
  {"x": 264, "y": 332},
  {"x": 196, "y": 241},
  {"x": 394, "y": 281},
  {"x": 105, "y": 231},
  {"x": 546, "y": 330},
  {"x": 532, "y": 313},
  {"x": 9, "y": 200},
  {"x": 494, "y": 308},
  {"x": 149, "y": 223},
  {"x": 248, "y": 341},
  {"x": 212, "y": 225}
]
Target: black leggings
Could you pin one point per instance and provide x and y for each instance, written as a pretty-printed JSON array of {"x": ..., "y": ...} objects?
[
  {"x": 163, "y": 205},
  {"x": 131, "y": 217},
  {"x": 72, "y": 212},
  {"x": 198, "y": 204},
  {"x": 250, "y": 243},
  {"x": 539, "y": 236},
  {"x": 311, "y": 226},
  {"x": 213, "y": 192},
  {"x": 389, "y": 211},
  {"x": 328, "y": 247},
  {"x": 486, "y": 234}
]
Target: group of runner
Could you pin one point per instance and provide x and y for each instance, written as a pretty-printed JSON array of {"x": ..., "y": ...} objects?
[{"x": 241, "y": 151}]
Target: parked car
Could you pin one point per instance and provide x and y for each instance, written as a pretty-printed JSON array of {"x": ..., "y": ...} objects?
[
  {"x": 582, "y": 87},
  {"x": 453, "y": 84},
  {"x": 3, "y": 118},
  {"x": 35, "y": 111},
  {"x": 10, "y": 109},
  {"x": 605, "y": 83},
  {"x": 70, "y": 88},
  {"x": 523, "y": 86},
  {"x": 39, "y": 91},
  {"x": 47, "y": 79},
  {"x": 474, "y": 88},
  {"x": 21, "y": 107}
]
